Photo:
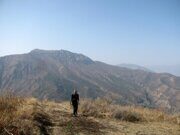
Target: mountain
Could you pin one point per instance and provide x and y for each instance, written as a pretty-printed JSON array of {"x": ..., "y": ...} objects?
[
  {"x": 134, "y": 67},
  {"x": 54, "y": 75},
  {"x": 173, "y": 69}
]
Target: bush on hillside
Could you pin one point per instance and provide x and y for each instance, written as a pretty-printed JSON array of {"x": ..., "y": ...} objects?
[{"x": 129, "y": 116}]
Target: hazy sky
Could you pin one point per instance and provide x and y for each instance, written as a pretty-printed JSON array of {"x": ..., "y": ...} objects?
[{"x": 144, "y": 32}]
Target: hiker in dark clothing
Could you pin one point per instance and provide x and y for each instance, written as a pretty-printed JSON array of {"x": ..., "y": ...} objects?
[{"x": 75, "y": 102}]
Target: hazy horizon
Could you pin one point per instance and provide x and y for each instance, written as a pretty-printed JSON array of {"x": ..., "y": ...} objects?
[{"x": 136, "y": 32}]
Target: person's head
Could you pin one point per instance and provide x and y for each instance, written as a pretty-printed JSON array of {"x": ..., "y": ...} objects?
[{"x": 75, "y": 91}]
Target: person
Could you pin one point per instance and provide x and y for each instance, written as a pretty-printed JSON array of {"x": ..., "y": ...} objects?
[{"x": 75, "y": 102}]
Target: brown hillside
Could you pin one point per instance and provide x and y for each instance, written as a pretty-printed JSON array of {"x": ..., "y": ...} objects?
[{"x": 96, "y": 117}]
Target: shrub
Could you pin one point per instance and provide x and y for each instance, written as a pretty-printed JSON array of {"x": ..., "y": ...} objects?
[
  {"x": 88, "y": 108},
  {"x": 129, "y": 116}
]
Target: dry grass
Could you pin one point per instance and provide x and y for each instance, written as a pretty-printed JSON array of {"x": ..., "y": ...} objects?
[
  {"x": 29, "y": 116},
  {"x": 9, "y": 106},
  {"x": 127, "y": 116},
  {"x": 102, "y": 108},
  {"x": 19, "y": 116}
]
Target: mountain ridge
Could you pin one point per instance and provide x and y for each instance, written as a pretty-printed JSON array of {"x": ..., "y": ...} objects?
[{"x": 54, "y": 74}]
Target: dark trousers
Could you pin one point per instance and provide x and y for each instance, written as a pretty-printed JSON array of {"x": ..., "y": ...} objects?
[{"x": 75, "y": 109}]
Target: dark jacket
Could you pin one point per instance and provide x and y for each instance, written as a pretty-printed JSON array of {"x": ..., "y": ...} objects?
[{"x": 75, "y": 99}]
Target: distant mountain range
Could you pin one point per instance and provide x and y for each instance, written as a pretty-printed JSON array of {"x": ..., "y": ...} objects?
[
  {"x": 54, "y": 75},
  {"x": 172, "y": 69},
  {"x": 134, "y": 67}
]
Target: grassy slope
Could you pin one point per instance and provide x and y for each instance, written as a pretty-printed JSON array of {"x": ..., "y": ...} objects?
[{"x": 96, "y": 117}]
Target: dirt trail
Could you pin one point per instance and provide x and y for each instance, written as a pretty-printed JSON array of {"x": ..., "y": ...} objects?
[
  {"x": 61, "y": 121},
  {"x": 57, "y": 119}
]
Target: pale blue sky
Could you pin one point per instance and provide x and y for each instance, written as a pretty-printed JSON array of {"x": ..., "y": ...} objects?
[{"x": 144, "y": 32}]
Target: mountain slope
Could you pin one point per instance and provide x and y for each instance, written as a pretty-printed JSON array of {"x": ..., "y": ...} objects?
[{"x": 54, "y": 75}]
